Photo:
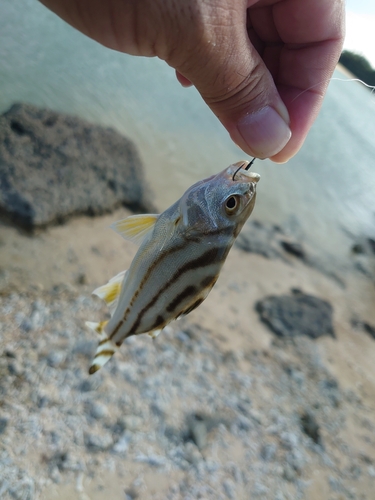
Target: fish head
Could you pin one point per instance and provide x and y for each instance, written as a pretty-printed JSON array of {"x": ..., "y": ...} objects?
[{"x": 222, "y": 201}]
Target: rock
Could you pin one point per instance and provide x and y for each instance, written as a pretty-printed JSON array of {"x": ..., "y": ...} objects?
[
  {"x": 3, "y": 424},
  {"x": 261, "y": 239},
  {"x": 131, "y": 494},
  {"x": 363, "y": 325},
  {"x": 268, "y": 240},
  {"x": 98, "y": 442},
  {"x": 55, "y": 358},
  {"x": 153, "y": 460},
  {"x": 192, "y": 454},
  {"x": 53, "y": 166},
  {"x": 289, "y": 474},
  {"x": 365, "y": 245},
  {"x": 122, "y": 445},
  {"x": 229, "y": 489},
  {"x": 310, "y": 426},
  {"x": 299, "y": 314},
  {"x": 198, "y": 430},
  {"x": 294, "y": 248},
  {"x": 370, "y": 329},
  {"x": 268, "y": 452},
  {"x": 371, "y": 244},
  {"x": 96, "y": 410}
]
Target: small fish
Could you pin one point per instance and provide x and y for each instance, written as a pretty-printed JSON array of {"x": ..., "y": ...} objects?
[{"x": 179, "y": 259}]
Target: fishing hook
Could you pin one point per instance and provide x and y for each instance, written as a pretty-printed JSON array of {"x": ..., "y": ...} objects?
[{"x": 246, "y": 168}]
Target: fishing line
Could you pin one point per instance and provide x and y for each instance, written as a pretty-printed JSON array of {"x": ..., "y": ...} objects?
[{"x": 372, "y": 87}]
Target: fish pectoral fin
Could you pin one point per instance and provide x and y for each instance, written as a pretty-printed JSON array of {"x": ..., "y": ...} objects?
[
  {"x": 110, "y": 292},
  {"x": 105, "y": 349},
  {"x": 136, "y": 227}
]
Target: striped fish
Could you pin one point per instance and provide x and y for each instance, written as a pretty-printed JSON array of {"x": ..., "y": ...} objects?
[{"x": 179, "y": 259}]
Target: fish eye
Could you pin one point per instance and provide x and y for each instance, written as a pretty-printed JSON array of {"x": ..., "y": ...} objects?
[{"x": 232, "y": 204}]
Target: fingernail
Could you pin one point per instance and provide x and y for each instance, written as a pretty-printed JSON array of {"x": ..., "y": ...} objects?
[{"x": 265, "y": 132}]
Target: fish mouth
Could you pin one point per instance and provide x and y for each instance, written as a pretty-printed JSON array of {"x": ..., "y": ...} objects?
[{"x": 241, "y": 170}]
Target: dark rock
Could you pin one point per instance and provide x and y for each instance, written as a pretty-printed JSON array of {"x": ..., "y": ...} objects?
[
  {"x": 293, "y": 248},
  {"x": 53, "y": 166},
  {"x": 198, "y": 427},
  {"x": 330, "y": 389},
  {"x": 370, "y": 329},
  {"x": 310, "y": 426},
  {"x": 269, "y": 240},
  {"x": 299, "y": 314},
  {"x": 363, "y": 325},
  {"x": 198, "y": 430},
  {"x": 3, "y": 424},
  {"x": 261, "y": 239},
  {"x": 371, "y": 244},
  {"x": 131, "y": 494},
  {"x": 358, "y": 248}
]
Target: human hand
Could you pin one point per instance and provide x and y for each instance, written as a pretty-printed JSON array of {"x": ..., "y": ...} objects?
[{"x": 262, "y": 66}]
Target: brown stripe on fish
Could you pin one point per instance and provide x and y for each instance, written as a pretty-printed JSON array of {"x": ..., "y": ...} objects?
[
  {"x": 193, "y": 306},
  {"x": 156, "y": 262},
  {"x": 189, "y": 291},
  {"x": 118, "y": 326},
  {"x": 212, "y": 256},
  {"x": 142, "y": 283},
  {"x": 105, "y": 352},
  {"x": 159, "y": 322},
  {"x": 193, "y": 236},
  {"x": 209, "y": 281}
]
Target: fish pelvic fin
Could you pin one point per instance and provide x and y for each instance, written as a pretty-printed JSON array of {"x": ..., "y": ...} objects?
[
  {"x": 154, "y": 333},
  {"x": 110, "y": 292},
  {"x": 105, "y": 349},
  {"x": 136, "y": 227}
]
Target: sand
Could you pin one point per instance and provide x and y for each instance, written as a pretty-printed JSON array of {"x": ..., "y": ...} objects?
[{"x": 220, "y": 362}]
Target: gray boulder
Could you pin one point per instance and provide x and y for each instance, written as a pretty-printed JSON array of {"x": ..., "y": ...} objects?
[
  {"x": 297, "y": 314},
  {"x": 53, "y": 166}
]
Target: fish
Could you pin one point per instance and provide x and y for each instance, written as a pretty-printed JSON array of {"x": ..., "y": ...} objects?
[{"x": 180, "y": 256}]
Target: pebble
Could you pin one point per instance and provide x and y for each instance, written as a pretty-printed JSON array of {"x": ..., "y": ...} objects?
[
  {"x": 229, "y": 489},
  {"x": 97, "y": 410},
  {"x": 3, "y": 424},
  {"x": 97, "y": 442},
  {"x": 268, "y": 452},
  {"x": 122, "y": 445},
  {"x": 177, "y": 405}
]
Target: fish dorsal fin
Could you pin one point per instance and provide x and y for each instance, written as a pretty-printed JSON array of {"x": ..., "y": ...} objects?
[
  {"x": 136, "y": 227},
  {"x": 110, "y": 292}
]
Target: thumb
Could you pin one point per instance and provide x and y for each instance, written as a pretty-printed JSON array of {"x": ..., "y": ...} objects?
[{"x": 235, "y": 83}]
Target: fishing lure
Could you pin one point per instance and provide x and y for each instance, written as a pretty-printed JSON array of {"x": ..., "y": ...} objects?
[{"x": 179, "y": 259}]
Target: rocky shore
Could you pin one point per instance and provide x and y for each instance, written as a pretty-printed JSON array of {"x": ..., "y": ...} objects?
[{"x": 266, "y": 391}]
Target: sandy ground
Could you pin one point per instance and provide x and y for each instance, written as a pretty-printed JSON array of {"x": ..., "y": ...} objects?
[{"x": 85, "y": 253}]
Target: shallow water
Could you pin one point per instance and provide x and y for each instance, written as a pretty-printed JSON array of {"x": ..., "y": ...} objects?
[{"x": 326, "y": 192}]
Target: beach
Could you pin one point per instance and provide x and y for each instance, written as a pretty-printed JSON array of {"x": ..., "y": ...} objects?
[{"x": 215, "y": 407}]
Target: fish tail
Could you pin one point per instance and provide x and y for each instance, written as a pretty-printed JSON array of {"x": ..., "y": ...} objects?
[{"x": 105, "y": 349}]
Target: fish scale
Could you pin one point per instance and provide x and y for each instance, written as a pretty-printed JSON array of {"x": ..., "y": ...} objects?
[{"x": 179, "y": 259}]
